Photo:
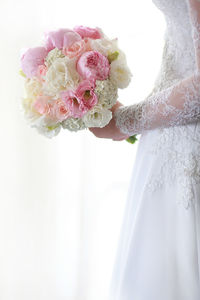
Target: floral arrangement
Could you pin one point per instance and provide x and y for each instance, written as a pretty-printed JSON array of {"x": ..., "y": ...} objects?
[{"x": 72, "y": 81}]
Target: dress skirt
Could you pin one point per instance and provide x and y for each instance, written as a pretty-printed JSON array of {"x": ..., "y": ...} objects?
[{"x": 158, "y": 254}]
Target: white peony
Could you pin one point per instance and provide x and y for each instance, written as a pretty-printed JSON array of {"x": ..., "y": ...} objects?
[
  {"x": 61, "y": 75},
  {"x": 73, "y": 124},
  {"x": 106, "y": 92},
  {"x": 97, "y": 117},
  {"x": 120, "y": 74},
  {"x": 52, "y": 56}
]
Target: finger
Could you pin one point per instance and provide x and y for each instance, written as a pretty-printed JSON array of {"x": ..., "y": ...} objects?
[{"x": 93, "y": 130}]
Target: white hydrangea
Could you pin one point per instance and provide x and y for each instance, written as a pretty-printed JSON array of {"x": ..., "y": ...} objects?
[
  {"x": 120, "y": 74},
  {"x": 97, "y": 117},
  {"x": 107, "y": 93},
  {"x": 61, "y": 75},
  {"x": 73, "y": 124},
  {"x": 52, "y": 56}
]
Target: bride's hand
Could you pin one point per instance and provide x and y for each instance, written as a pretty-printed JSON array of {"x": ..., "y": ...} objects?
[{"x": 110, "y": 131}]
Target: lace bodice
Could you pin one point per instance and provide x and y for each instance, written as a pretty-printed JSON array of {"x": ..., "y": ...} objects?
[{"x": 175, "y": 99}]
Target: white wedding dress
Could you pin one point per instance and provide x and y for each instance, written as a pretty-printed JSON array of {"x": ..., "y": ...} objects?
[{"x": 158, "y": 255}]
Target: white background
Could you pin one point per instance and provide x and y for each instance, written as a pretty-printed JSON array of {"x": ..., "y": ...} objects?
[{"x": 62, "y": 200}]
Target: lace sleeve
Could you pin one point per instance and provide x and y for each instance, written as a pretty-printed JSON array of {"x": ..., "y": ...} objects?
[{"x": 177, "y": 105}]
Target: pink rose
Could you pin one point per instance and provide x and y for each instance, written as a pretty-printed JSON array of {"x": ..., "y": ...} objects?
[
  {"x": 59, "y": 111},
  {"x": 42, "y": 105},
  {"x": 93, "y": 64},
  {"x": 31, "y": 59},
  {"x": 53, "y": 109},
  {"x": 41, "y": 72},
  {"x": 61, "y": 38},
  {"x": 92, "y": 33},
  {"x": 85, "y": 92},
  {"x": 74, "y": 104},
  {"x": 75, "y": 50},
  {"x": 88, "y": 45}
]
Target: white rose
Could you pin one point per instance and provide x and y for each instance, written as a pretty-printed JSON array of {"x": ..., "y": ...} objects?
[
  {"x": 33, "y": 87},
  {"x": 97, "y": 117},
  {"x": 28, "y": 110},
  {"x": 61, "y": 75},
  {"x": 120, "y": 74},
  {"x": 73, "y": 124},
  {"x": 106, "y": 92}
]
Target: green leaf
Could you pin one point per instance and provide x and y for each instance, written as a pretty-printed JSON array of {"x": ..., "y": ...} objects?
[
  {"x": 52, "y": 127},
  {"x": 22, "y": 73},
  {"x": 132, "y": 139},
  {"x": 113, "y": 56}
]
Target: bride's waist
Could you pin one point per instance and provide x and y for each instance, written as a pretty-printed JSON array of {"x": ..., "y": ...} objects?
[{"x": 183, "y": 139}]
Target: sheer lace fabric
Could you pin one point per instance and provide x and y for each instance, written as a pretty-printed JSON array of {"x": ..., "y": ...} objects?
[
  {"x": 179, "y": 103},
  {"x": 176, "y": 105}
]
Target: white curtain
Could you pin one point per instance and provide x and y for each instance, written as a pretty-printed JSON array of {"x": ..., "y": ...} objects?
[{"x": 62, "y": 200}]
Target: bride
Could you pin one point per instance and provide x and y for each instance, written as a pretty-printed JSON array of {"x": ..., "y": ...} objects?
[{"x": 158, "y": 257}]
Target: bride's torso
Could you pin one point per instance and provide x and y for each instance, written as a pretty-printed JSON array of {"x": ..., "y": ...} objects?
[
  {"x": 177, "y": 149},
  {"x": 178, "y": 55}
]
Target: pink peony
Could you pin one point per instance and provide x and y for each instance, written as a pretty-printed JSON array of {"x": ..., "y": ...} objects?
[
  {"x": 31, "y": 59},
  {"x": 61, "y": 38},
  {"x": 93, "y": 64},
  {"x": 74, "y": 104},
  {"x": 59, "y": 111},
  {"x": 92, "y": 33},
  {"x": 42, "y": 105},
  {"x": 75, "y": 50},
  {"x": 85, "y": 92}
]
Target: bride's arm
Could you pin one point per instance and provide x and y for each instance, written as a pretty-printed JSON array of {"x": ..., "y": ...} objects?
[{"x": 176, "y": 105}]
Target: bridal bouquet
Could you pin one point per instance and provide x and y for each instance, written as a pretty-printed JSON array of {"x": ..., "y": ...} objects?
[{"x": 72, "y": 81}]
